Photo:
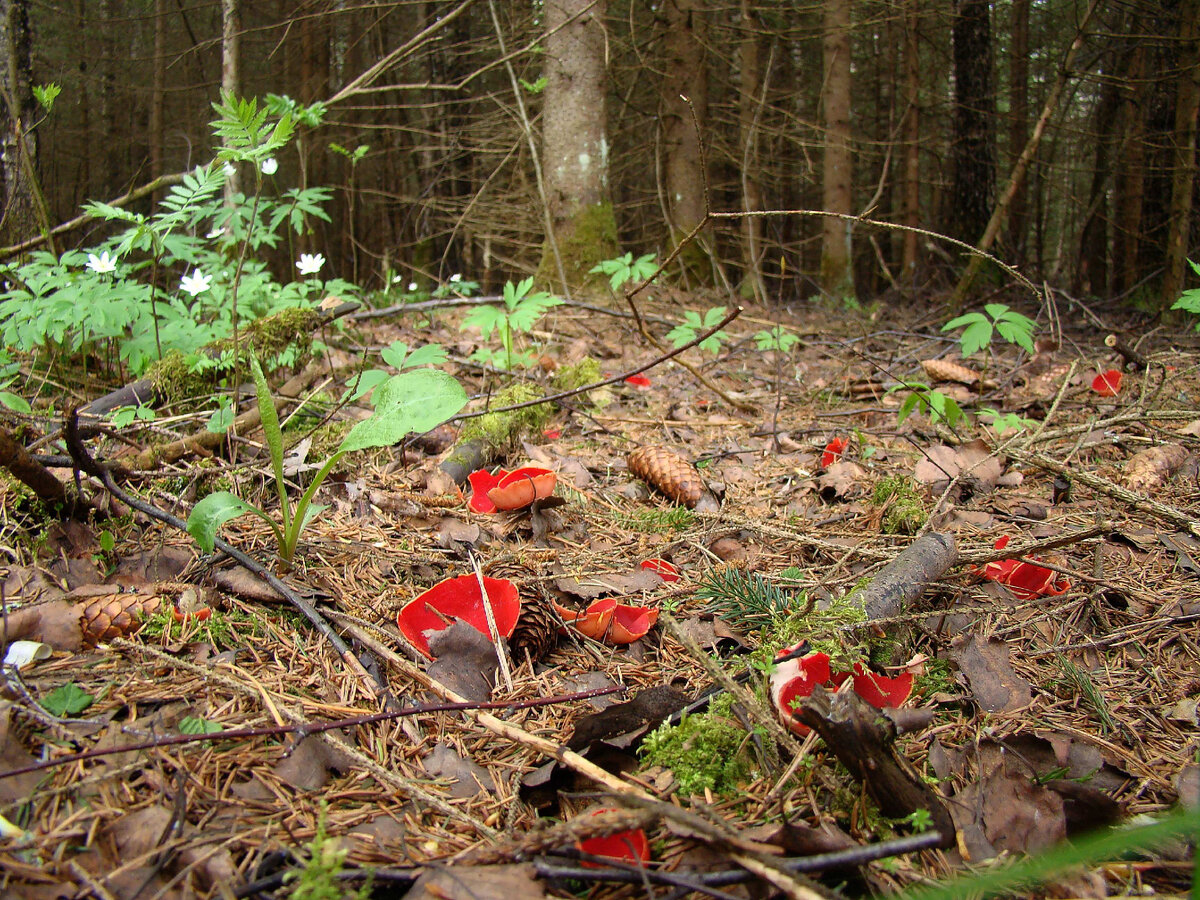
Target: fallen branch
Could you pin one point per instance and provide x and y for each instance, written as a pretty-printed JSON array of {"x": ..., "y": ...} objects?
[
  {"x": 907, "y": 576},
  {"x": 863, "y": 739}
]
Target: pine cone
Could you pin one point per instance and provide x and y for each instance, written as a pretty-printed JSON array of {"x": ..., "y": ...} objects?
[
  {"x": 669, "y": 472},
  {"x": 116, "y": 615},
  {"x": 538, "y": 625},
  {"x": 536, "y": 631},
  {"x": 948, "y": 370}
]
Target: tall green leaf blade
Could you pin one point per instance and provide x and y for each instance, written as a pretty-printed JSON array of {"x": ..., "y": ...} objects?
[
  {"x": 211, "y": 513},
  {"x": 415, "y": 401}
]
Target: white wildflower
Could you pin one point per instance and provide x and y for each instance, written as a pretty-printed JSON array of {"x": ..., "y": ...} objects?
[
  {"x": 455, "y": 278},
  {"x": 195, "y": 284},
  {"x": 270, "y": 165},
  {"x": 102, "y": 263},
  {"x": 310, "y": 263},
  {"x": 412, "y": 285},
  {"x": 230, "y": 171},
  {"x": 215, "y": 233}
]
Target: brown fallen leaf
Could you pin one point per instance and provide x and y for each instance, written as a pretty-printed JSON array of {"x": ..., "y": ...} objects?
[
  {"x": 995, "y": 685},
  {"x": 465, "y": 661},
  {"x": 843, "y": 480},
  {"x": 466, "y": 777}
]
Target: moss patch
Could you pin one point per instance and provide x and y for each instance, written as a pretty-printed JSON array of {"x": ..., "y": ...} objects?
[
  {"x": 905, "y": 511},
  {"x": 590, "y": 236},
  {"x": 502, "y": 431},
  {"x": 705, "y": 751}
]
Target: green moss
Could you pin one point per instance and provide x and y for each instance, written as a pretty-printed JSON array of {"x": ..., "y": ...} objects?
[
  {"x": 568, "y": 378},
  {"x": 937, "y": 678},
  {"x": 590, "y": 237},
  {"x": 905, "y": 512},
  {"x": 705, "y": 751},
  {"x": 502, "y": 431}
]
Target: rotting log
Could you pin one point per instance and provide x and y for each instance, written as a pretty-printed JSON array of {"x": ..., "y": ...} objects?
[
  {"x": 906, "y": 577},
  {"x": 863, "y": 739},
  {"x": 30, "y": 472}
]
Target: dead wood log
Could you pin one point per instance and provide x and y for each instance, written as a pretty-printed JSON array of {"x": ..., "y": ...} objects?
[
  {"x": 863, "y": 739},
  {"x": 30, "y": 472},
  {"x": 906, "y": 577}
]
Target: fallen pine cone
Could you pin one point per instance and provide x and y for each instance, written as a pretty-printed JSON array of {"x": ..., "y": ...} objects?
[
  {"x": 669, "y": 472},
  {"x": 948, "y": 370},
  {"x": 116, "y": 615}
]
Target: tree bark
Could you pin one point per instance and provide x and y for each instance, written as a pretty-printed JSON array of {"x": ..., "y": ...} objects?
[
  {"x": 837, "y": 273},
  {"x": 973, "y": 148},
  {"x": 910, "y": 258},
  {"x": 685, "y": 76},
  {"x": 1018, "y": 123},
  {"x": 231, "y": 81},
  {"x": 750, "y": 102},
  {"x": 158, "y": 89},
  {"x": 1183, "y": 178},
  {"x": 992, "y": 228},
  {"x": 1131, "y": 175},
  {"x": 574, "y": 144},
  {"x": 18, "y": 112}
]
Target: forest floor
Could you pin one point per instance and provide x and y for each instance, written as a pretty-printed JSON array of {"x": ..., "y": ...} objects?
[{"x": 1040, "y": 708}]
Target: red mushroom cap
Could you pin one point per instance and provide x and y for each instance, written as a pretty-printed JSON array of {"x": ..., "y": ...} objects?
[
  {"x": 519, "y": 488},
  {"x": 626, "y": 846},
  {"x": 459, "y": 598}
]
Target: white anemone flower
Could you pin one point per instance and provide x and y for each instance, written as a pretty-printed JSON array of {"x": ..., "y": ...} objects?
[
  {"x": 195, "y": 284},
  {"x": 102, "y": 263},
  {"x": 270, "y": 165},
  {"x": 455, "y": 278},
  {"x": 310, "y": 263},
  {"x": 230, "y": 171},
  {"x": 412, "y": 286}
]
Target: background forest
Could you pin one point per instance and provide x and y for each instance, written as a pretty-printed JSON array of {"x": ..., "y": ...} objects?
[{"x": 904, "y": 111}]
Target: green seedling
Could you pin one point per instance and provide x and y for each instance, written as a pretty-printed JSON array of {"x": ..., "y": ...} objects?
[
  {"x": 938, "y": 406},
  {"x": 522, "y": 308},
  {"x": 399, "y": 357},
  {"x": 127, "y": 415},
  {"x": 1189, "y": 300},
  {"x": 1006, "y": 422},
  {"x": 693, "y": 325},
  {"x": 623, "y": 269},
  {"x": 413, "y": 401},
  {"x": 777, "y": 338},
  {"x": 197, "y": 725},
  {"x": 978, "y": 328}
]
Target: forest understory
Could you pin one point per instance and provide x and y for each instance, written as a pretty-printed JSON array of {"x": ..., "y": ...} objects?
[{"x": 1053, "y": 683}]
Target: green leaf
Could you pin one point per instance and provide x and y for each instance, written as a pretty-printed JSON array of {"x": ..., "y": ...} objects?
[
  {"x": 363, "y": 383},
  {"x": 411, "y": 402},
  {"x": 68, "y": 700},
  {"x": 46, "y": 94},
  {"x": 911, "y": 402},
  {"x": 485, "y": 318},
  {"x": 1017, "y": 332},
  {"x": 425, "y": 355},
  {"x": 212, "y": 512},
  {"x": 15, "y": 403},
  {"x": 977, "y": 336},
  {"x": 967, "y": 319},
  {"x": 273, "y": 434},
  {"x": 197, "y": 725},
  {"x": 221, "y": 419}
]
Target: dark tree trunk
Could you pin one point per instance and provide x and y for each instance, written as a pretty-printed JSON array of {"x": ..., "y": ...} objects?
[
  {"x": 1018, "y": 128},
  {"x": 1183, "y": 179},
  {"x": 973, "y": 149},
  {"x": 18, "y": 112}
]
